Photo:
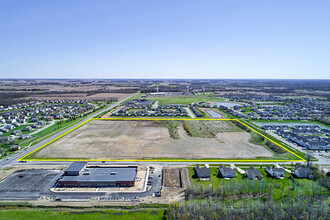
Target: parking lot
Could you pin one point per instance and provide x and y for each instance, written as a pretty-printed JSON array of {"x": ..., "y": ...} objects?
[{"x": 30, "y": 181}]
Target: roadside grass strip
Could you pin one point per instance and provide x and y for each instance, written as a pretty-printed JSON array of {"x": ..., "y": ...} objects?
[{"x": 296, "y": 159}]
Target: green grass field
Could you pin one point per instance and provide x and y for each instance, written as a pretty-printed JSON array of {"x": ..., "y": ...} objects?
[
  {"x": 205, "y": 129},
  {"x": 63, "y": 214}
]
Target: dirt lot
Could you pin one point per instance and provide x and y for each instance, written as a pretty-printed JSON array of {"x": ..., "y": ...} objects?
[
  {"x": 146, "y": 139},
  {"x": 172, "y": 178},
  {"x": 176, "y": 177}
]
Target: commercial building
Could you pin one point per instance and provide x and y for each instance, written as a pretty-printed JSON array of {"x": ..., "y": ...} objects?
[
  {"x": 75, "y": 169},
  {"x": 101, "y": 177}
]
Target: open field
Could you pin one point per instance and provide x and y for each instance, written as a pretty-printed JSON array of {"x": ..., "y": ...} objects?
[
  {"x": 181, "y": 99},
  {"x": 100, "y": 139},
  {"x": 82, "y": 96},
  {"x": 66, "y": 213}
]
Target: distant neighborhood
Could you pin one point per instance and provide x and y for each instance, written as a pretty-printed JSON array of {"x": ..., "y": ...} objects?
[{"x": 22, "y": 121}]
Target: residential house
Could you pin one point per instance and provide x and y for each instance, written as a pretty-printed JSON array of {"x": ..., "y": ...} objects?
[
  {"x": 6, "y": 139},
  {"x": 203, "y": 173},
  {"x": 252, "y": 173},
  {"x": 4, "y": 130},
  {"x": 14, "y": 147},
  {"x": 275, "y": 172},
  {"x": 16, "y": 124},
  {"x": 9, "y": 127},
  {"x": 302, "y": 172},
  {"x": 16, "y": 132},
  {"x": 227, "y": 172},
  {"x": 25, "y": 136},
  {"x": 27, "y": 128}
]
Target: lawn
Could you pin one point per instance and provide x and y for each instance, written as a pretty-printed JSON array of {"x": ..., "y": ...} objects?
[
  {"x": 207, "y": 129},
  {"x": 280, "y": 187},
  {"x": 62, "y": 214},
  {"x": 17, "y": 128}
]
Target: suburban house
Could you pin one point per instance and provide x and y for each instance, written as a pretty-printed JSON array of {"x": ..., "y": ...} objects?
[
  {"x": 9, "y": 127},
  {"x": 275, "y": 172},
  {"x": 302, "y": 172},
  {"x": 252, "y": 173},
  {"x": 16, "y": 132},
  {"x": 25, "y": 136},
  {"x": 203, "y": 173},
  {"x": 14, "y": 147},
  {"x": 227, "y": 172},
  {"x": 4, "y": 130},
  {"x": 28, "y": 128}
]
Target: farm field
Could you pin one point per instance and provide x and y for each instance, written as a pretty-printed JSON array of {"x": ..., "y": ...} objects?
[
  {"x": 181, "y": 99},
  {"x": 83, "y": 96},
  {"x": 104, "y": 139}
]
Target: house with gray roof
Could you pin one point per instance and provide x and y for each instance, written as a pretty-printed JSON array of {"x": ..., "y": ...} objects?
[
  {"x": 203, "y": 172},
  {"x": 252, "y": 173},
  {"x": 227, "y": 172},
  {"x": 275, "y": 172},
  {"x": 302, "y": 172}
]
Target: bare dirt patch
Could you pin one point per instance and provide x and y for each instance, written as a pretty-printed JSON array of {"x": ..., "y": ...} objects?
[
  {"x": 100, "y": 139},
  {"x": 176, "y": 177},
  {"x": 172, "y": 177}
]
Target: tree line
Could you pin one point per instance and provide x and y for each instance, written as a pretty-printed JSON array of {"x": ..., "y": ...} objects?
[{"x": 215, "y": 209}]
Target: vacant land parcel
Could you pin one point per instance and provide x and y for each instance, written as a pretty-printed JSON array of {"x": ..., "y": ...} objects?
[{"x": 106, "y": 139}]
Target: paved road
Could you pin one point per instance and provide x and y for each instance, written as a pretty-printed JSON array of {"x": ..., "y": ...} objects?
[
  {"x": 190, "y": 113},
  {"x": 13, "y": 159},
  {"x": 155, "y": 105}
]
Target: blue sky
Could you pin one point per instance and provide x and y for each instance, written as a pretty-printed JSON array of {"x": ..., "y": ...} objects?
[{"x": 165, "y": 39}]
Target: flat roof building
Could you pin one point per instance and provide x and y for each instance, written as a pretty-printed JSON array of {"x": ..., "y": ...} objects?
[
  {"x": 75, "y": 169},
  {"x": 101, "y": 177}
]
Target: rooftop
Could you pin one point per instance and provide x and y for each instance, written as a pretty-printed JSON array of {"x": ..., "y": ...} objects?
[
  {"x": 105, "y": 174},
  {"x": 76, "y": 166}
]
